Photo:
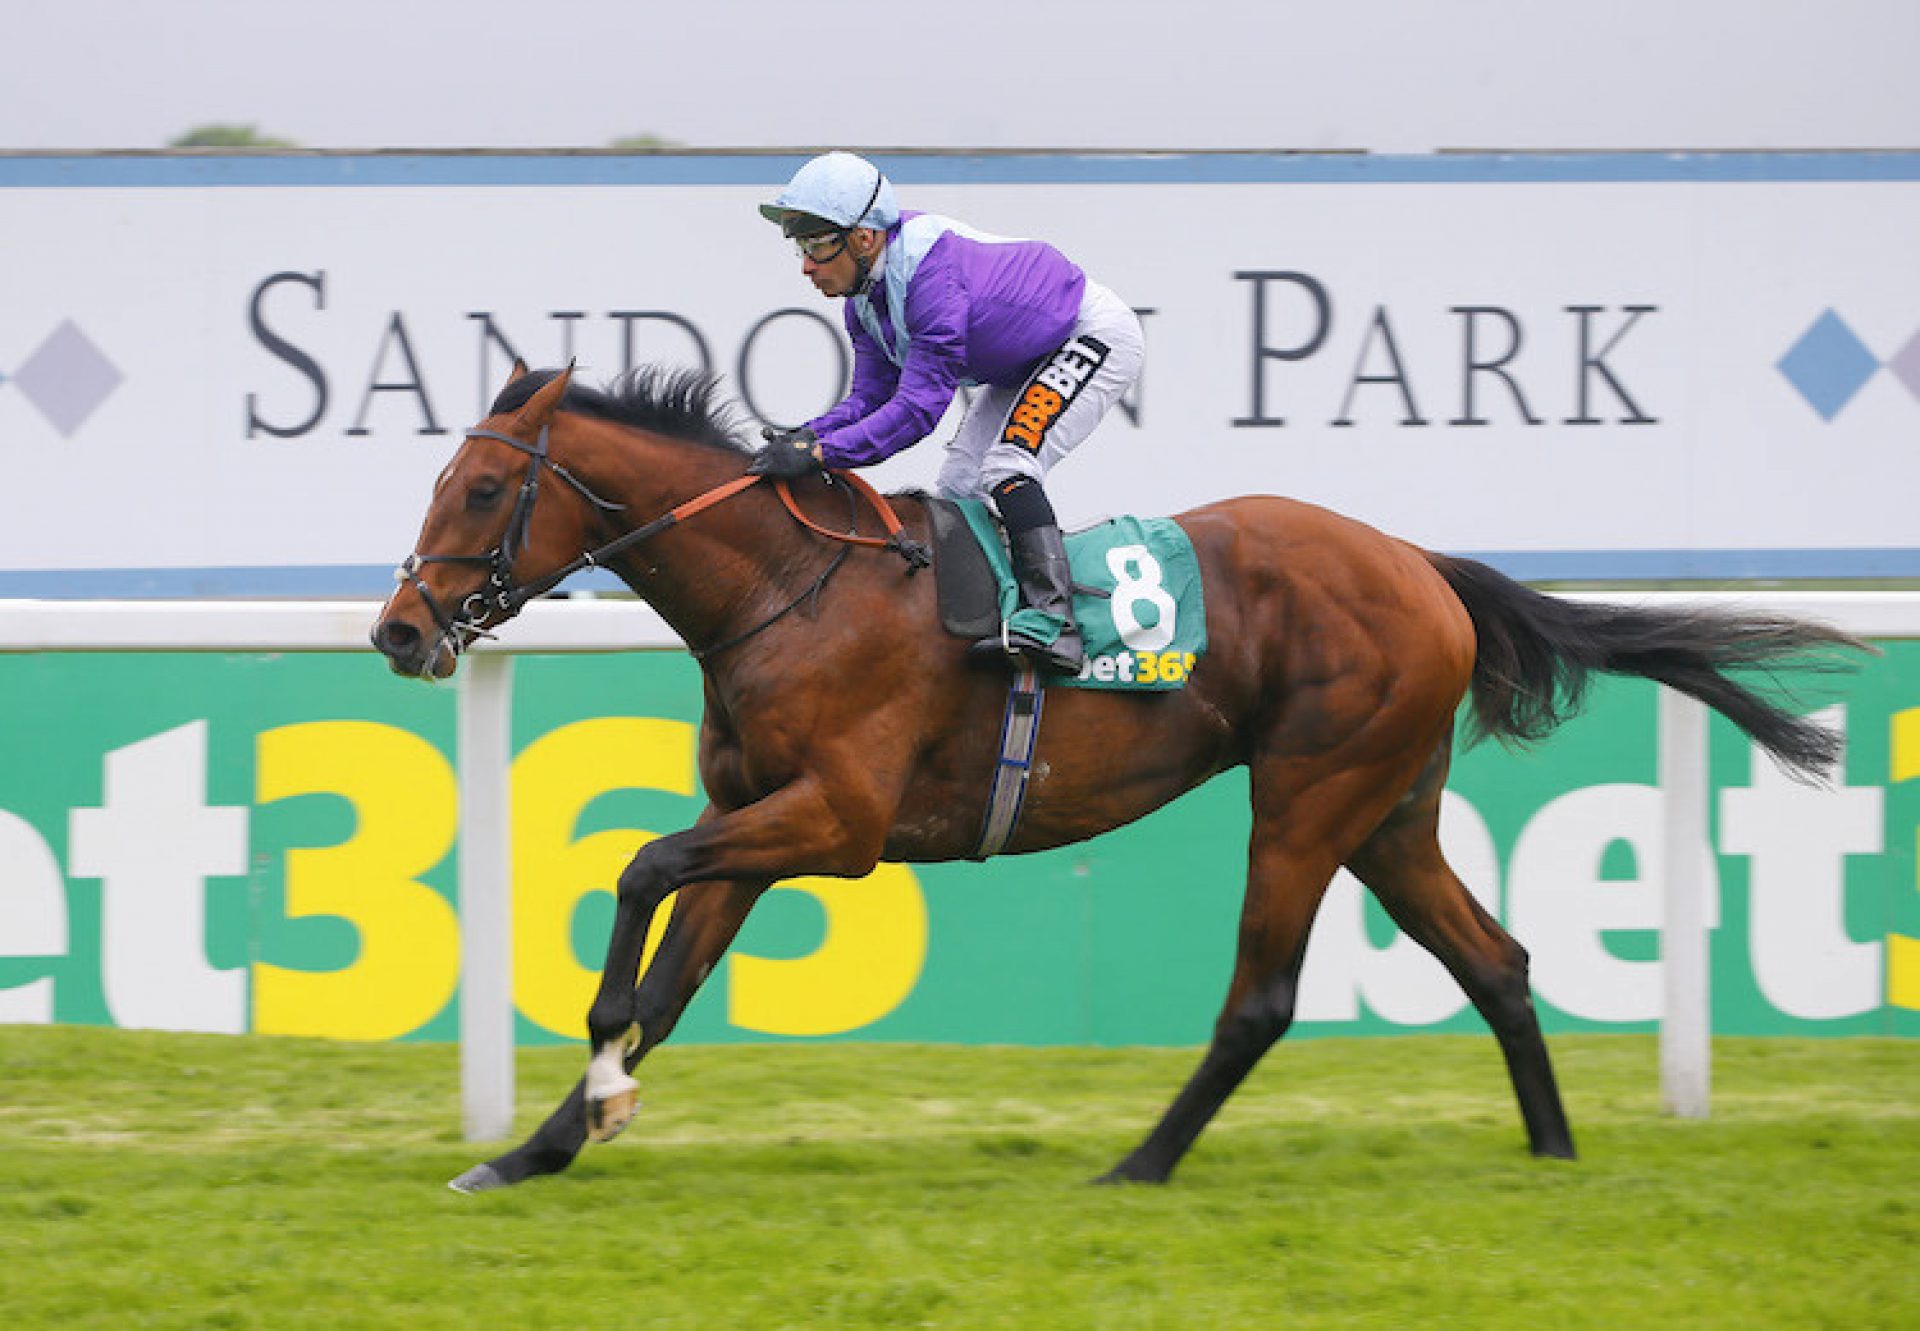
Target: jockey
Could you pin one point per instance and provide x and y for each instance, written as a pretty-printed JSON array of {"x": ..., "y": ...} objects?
[{"x": 934, "y": 306}]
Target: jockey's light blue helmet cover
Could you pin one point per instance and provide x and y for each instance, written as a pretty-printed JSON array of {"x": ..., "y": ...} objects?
[{"x": 840, "y": 188}]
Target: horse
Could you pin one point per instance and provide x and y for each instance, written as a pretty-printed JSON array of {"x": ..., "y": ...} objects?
[{"x": 844, "y": 726}]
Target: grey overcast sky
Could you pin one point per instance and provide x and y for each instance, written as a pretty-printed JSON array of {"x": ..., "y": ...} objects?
[{"x": 1380, "y": 75}]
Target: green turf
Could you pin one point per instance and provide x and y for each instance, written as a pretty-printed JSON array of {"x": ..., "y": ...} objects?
[{"x": 181, "y": 1181}]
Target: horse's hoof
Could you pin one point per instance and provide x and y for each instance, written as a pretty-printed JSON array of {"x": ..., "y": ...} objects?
[
  {"x": 607, "y": 1114},
  {"x": 481, "y": 1178}
]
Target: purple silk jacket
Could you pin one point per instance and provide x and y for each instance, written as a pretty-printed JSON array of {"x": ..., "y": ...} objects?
[{"x": 950, "y": 306}]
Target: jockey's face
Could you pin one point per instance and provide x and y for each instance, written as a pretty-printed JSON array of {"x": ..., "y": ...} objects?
[{"x": 837, "y": 271}]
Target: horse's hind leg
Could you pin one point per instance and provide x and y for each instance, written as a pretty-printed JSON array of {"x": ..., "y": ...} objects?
[
  {"x": 706, "y": 917},
  {"x": 1403, "y": 865},
  {"x": 1304, "y": 822},
  {"x": 1279, "y": 909}
]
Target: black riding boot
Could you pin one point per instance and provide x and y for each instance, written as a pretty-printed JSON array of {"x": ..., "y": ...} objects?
[{"x": 1046, "y": 586}]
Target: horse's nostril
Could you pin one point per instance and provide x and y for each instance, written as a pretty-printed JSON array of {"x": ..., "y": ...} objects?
[{"x": 395, "y": 637}]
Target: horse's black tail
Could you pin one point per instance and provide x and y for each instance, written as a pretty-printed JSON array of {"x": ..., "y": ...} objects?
[{"x": 1537, "y": 652}]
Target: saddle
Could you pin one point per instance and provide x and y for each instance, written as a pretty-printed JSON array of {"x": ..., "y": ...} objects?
[
  {"x": 969, "y": 591},
  {"x": 1148, "y": 567},
  {"x": 1136, "y": 590}
]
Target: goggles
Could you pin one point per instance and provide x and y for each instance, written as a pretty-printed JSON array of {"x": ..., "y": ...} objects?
[{"x": 823, "y": 247}]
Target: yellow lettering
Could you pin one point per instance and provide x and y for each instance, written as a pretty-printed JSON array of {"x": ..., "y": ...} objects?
[
  {"x": 875, "y": 948},
  {"x": 1903, "y": 953},
  {"x": 554, "y": 780},
  {"x": 405, "y": 802}
]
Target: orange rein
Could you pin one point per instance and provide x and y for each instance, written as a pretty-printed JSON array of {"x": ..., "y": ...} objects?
[{"x": 896, "y": 538}]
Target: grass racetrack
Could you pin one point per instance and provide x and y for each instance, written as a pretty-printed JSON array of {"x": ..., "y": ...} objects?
[{"x": 152, "y": 1180}]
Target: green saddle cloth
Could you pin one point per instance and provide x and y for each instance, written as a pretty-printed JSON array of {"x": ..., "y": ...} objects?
[{"x": 1136, "y": 596}]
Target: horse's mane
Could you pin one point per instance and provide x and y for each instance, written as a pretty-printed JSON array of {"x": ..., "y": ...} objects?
[{"x": 675, "y": 403}]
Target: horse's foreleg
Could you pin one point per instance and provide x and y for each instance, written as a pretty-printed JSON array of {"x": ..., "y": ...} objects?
[
  {"x": 706, "y": 917},
  {"x": 615, "y": 1023},
  {"x": 705, "y": 920},
  {"x": 549, "y": 1150},
  {"x": 795, "y": 830},
  {"x": 612, "y": 1096}
]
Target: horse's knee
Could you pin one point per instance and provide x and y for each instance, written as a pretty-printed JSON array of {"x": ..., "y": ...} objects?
[{"x": 644, "y": 883}]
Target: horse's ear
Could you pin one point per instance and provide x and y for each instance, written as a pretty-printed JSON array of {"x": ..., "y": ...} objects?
[
  {"x": 518, "y": 372},
  {"x": 540, "y": 407}
]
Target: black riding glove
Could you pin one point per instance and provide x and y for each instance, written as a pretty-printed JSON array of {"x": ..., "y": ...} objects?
[{"x": 788, "y": 454}]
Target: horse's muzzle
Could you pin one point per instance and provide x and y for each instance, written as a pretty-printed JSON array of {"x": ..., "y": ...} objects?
[{"x": 410, "y": 652}]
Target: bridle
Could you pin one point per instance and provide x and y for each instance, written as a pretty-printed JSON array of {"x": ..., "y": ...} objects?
[
  {"x": 501, "y": 595},
  {"x": 460, "y": 628}
]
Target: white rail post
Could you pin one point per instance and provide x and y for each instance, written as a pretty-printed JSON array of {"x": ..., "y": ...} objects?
[
  {"x": 1686, "y": 1026},
  {"x": 486, "y": 948}
]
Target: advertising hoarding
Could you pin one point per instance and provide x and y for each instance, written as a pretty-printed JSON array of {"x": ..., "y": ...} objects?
[
  {"x": 267, "y": 843},
  {"x": 249, "y": 370}
]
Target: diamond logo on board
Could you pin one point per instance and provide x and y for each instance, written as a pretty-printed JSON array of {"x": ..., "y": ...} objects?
[
  {"x": 67, "y": 378},
  {"x": 1828, "y": 365},
  {"x": 1906, "y": 365}
]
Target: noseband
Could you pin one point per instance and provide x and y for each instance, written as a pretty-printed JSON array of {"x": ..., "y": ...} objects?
[{"x": 462, "y": 627}]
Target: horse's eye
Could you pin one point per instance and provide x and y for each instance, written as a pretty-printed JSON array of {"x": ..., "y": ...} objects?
[{"x": 484, "y": 496}]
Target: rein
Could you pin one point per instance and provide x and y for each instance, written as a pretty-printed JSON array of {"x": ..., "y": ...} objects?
[{"x": 463, "y": 627}]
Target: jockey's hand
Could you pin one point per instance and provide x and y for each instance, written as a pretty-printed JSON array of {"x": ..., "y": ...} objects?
[{"x": 788, "y": 454}]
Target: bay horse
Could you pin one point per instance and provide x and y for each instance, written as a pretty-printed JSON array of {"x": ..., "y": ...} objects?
[{"x": 843, "y": 726}]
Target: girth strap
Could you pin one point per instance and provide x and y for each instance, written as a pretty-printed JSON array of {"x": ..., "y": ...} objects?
[{"x": 1019, "y": 734}]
